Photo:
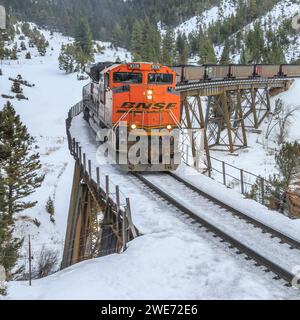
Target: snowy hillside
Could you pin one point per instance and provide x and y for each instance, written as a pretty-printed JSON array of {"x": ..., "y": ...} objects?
[
  {"x": 283, "y": 11},
  {"x": 44, "y": 114},
  {"x": 224, "y": 10}
]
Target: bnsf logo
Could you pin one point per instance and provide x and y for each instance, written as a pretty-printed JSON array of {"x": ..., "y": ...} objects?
[{"x": 142, "y": 105}]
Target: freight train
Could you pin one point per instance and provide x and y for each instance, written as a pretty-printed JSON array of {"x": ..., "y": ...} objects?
[
  {"x": 138, "y": 103},
  {"x": 234, "y": 72}
]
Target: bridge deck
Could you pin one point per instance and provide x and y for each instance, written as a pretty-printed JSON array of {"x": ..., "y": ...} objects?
[{"x": 208, "y": 88}]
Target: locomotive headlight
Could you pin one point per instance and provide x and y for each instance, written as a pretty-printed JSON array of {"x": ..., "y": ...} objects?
[
  {"x": 133, "y": 126},
  {"x": 169, "y": 127},
  {"x": 149, "y": 94}
]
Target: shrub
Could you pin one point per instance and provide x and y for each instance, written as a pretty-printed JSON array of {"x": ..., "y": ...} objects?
[{"x": 50, "y": 206}]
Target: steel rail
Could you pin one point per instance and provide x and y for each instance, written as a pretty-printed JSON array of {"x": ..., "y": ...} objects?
[
  {"x": 221, "y": 83},
  {"x": 260, "y": 260},
  {"x": 294, "y": 243}
]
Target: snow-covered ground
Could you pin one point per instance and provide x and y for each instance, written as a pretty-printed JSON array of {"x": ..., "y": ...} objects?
[
  {"x": 223, "y": 11},
  {"x": 44, "y": 114},
  {"x": 172, "y": 260}
]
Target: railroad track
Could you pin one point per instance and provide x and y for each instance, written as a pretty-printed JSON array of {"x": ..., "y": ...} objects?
[{"x": 257, "y": 233}]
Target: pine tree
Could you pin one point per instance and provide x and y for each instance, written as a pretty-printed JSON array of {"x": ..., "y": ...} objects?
[
  {"x": 23, "y": 46},
  {"x": 2, "y": 51},
  {"x": 42, "y": 45},
  {"x": 50, "y": 206},
  {"x": 255, "y": 43},
  {"x": 288, "y": 160},
  {"x": 83, "y": 37},
  {"x": 21, "y": 166},
  {"x": 66, "y": 59},
  {"x": 137, "y": 42},
  {"x": 152, "y": 42},
  {"x": 16, "y": 87},
  {"x": 206, "y": 50},
  {"x": 117, "y": 36},
  {"x": 13, "y": 54},
  {"x": 9, "y": 245},
  {"x": 168, "y": 48},
  {"x": 182, "y": 49},
  {"x": 28, "y": 55},
  {"x": 225, "y": 58},
  {"x": 245, "y": 57}
]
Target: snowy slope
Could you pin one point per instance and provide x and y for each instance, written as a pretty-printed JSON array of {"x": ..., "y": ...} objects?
[
  {"x": 224, "y": 10},
  {"x": 44, "y": 114},
  {"x": 284, "y": 10}
]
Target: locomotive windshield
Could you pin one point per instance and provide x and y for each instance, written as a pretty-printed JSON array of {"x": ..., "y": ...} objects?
[
  {"x": 160, "y": 78},
  {"x": 128, "y": 77}
]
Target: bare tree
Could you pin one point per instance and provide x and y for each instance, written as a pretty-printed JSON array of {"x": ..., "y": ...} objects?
[
  {"x": 281, "y": 119},
  {"x": 284, "y": 122},
  {"x": 47, "y": 263}
]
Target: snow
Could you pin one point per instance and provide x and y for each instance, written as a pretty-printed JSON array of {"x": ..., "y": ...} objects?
[
  {"x": 223, "y": 11},
  {"x": 283, "y": 10},
  {"x": 44, "y": 114},
  {"x": 230, "y": 224},
  {"x": 172, "y": 260},
  {"x": 237, "y": 201},
  {"x": 157, "y": 266},
  {"x": 258, "y": 158}
]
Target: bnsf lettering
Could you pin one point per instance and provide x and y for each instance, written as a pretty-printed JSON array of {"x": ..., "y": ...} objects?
[
  {"x": 142, "y": 105},
  {"x": 128, "y": 105}
]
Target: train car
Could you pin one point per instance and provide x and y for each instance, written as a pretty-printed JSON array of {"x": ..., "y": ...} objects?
[
  {"x": 194, "y": 73},
  {"x": 141, "y": 98},
  {"x": 290, "y": 70},
  {"x": 216, "y": 72},
  {"x": 267, "y": 70},
  {"x": 241, "y": 71},
  {"x": 189, "y": 73}
]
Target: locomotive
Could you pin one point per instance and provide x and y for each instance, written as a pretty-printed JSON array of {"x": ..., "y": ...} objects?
[{"x": 138, "y": 103}]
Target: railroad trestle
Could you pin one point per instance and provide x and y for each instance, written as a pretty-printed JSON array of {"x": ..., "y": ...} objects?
[
  {"x": 225, "y": 111},
  {"x": 99, "y": 219}
]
